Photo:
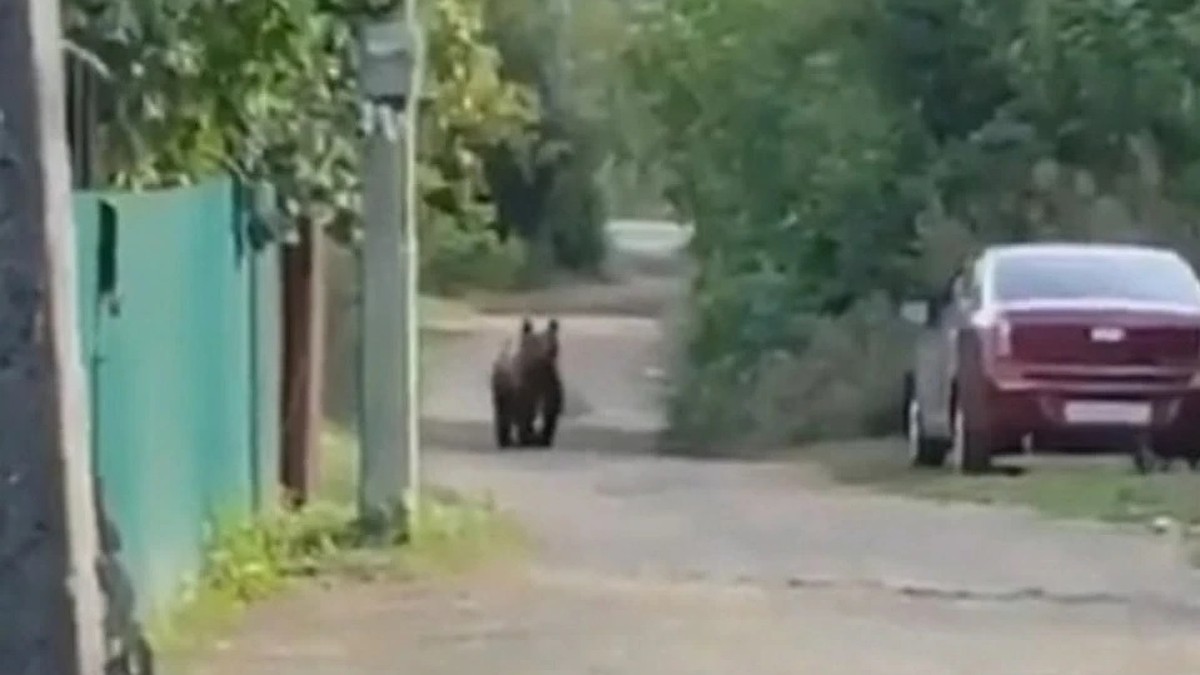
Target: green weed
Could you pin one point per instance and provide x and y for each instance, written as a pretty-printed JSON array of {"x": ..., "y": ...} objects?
[
  {"x": 249, "y": 562},
  {"x": 246, "y": 562}
]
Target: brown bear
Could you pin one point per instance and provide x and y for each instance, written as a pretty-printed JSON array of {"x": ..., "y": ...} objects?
[{"x": 525, "y": 385}]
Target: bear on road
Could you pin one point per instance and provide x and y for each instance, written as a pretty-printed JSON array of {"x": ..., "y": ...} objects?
[{"x": 526, "y": 385}]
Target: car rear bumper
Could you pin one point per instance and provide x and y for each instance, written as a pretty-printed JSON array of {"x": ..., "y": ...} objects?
[{"x": 1010, "y": 412}]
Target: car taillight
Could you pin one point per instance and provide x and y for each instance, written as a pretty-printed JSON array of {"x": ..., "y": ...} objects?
[
  {"x": 1003, "y": 332},
  {"x": 1196, "y": 375}
]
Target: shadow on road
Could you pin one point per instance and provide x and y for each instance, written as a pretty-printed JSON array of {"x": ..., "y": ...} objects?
[
  {"x": 1001, "y": 470},
  {"x": 476, "y": 436}
]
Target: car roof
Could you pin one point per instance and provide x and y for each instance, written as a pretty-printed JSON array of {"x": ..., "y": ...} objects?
[{"x": 1058, "y": 248}]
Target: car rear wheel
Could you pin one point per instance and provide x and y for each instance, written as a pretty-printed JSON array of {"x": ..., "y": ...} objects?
[
  {"x": 1149, "y": 456},
  {"x": 923, "y": 451},
  {"x": 1144, "y": 459},
  {"x": 970, "y": 450}
]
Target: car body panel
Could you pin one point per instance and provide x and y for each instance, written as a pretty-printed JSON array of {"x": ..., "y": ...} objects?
[{"x": 1032, "y": 367}]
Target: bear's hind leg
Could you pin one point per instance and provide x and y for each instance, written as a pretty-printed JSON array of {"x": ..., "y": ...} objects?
[
  {"x": 524, "y": 416},
  {"x": 525, "y": 431},
  {"x": 551, "y": 410},
  {"x": 549, "y": 427},
  {"x": 502, "y": 420}
]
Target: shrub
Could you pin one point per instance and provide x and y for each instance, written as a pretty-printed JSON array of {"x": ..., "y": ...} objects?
[
  {"x": 455, "y": 260},
  {"x": 842, "y": 378},
  {"x": 848, "y": 381},
  {"x": 575, "y": 217}
]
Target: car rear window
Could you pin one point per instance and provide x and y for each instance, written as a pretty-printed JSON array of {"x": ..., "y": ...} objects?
[{"x": 1149, "y": 276}]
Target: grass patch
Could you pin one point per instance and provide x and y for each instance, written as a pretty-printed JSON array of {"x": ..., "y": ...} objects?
[
  {"x": 451, "y": 535},
  {"x": 1079, "y": 488},
  {"x": 252, "y": 562},
  {"x": 246, "y": 563},
  {"x": 249, "y": 562}
]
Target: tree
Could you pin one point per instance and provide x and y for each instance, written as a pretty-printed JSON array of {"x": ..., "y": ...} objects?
[
  {"x": 556, "y": 195},
  {"x": 834, "y": 152},
  {"x": 265, "y": 89}
]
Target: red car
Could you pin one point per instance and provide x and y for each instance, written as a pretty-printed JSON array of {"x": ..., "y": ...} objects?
[{"x": 1065, "y": 346}]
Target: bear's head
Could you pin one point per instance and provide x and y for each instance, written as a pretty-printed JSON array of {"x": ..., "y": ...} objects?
[{"x": 538, "y": 348}]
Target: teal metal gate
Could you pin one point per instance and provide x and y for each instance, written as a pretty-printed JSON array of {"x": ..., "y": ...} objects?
[{"x": 180, "y": 321}]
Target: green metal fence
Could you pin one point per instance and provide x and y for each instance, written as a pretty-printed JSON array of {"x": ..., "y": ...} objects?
[{"x": 180, "y": 319}]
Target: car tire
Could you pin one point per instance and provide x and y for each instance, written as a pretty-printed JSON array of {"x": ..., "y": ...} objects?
[
  {"x": 1147, "y": 459},
  {"x": 1192, "y": 459},
  {"x": 923, "y": 451},
  {"x": 972, "y": 455}
]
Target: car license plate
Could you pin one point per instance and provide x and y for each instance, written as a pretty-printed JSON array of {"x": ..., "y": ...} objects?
[{"x": 1107, "y": 412}]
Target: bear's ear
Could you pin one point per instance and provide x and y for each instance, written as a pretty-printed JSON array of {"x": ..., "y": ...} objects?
[
  {"x": 526, "y": 326},
  {"x": 552, "y": 327}
]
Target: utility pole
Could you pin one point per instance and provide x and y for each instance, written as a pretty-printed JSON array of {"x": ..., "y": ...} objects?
[
  {"x": 51, "y": 620},
  {"x": 390, "y": 64},
  {"x": 412, "y": 342}
]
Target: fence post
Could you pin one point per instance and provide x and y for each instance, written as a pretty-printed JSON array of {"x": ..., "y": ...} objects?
[{"x": 304, "y": 349}]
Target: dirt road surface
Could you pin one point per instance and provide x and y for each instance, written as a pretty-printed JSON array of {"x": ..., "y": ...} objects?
[{"x": 649, "y": 564}]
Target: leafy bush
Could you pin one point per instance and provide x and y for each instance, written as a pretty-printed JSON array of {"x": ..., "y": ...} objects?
[
  {"x": 248, "y": 561},
  {"x": 846, "y": 380},
  {"x": 456, "y": 260},
  {"x": 180, "y": 103},
  {"x": 553, "y": 193},
  {"x": 576, "y": 213}
]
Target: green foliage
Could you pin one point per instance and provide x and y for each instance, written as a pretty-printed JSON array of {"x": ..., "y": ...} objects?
[
  {"x": 788, "y": 160},
  {"x": 845, "y": 381},
  {"x": 255, "y": 87},
  {"x": 1103, "y": 492},
  {"x": 575, "y": 211},
  {"x": 246, "y": 562},
  {"x": 460, "y": 259},
  {"x": 555, "y": 194},
  {"x": 831, "y": 151},
  {"x": 249, "y": 561},
  {"x": 475, "y": 111},
  {"x": 265, "y": 89}
]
